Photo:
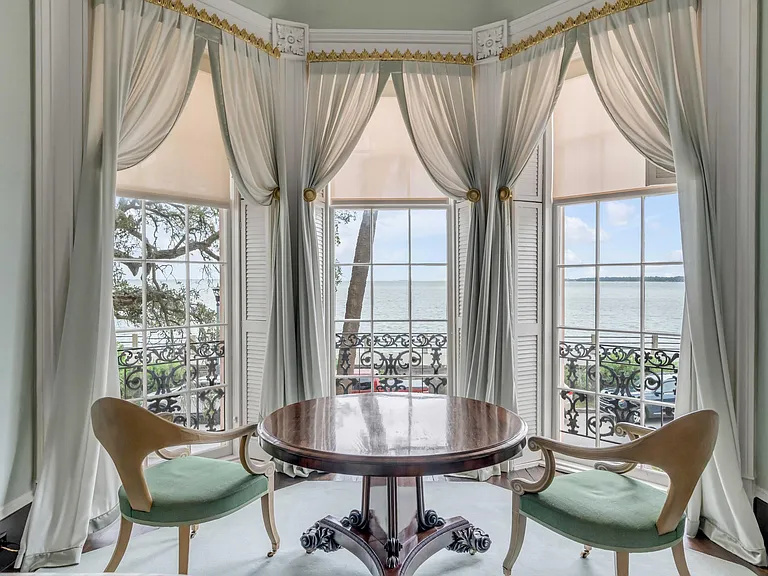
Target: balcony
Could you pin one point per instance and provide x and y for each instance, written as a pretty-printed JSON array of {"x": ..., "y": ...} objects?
[
  {"x": 391, "y": 362},
  {"x": 603, "y": 385},
  {"x": 182, "y": 378}
]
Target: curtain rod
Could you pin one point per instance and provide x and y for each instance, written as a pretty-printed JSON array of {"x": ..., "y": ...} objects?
[
  {"x": 569, "y": 24},
  {"x": 214, "y": 20}
]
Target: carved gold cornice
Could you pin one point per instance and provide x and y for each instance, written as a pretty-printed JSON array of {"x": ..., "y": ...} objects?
[
  {"x": 387, "y": 55},
  {"x": 570, "y": 24},
  {"x": 212, "y": 19}
]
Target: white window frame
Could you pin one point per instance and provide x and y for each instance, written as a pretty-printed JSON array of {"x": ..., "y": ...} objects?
[
  {"x": 330, "y": 306},
  {"x": 229, "y": 282}
]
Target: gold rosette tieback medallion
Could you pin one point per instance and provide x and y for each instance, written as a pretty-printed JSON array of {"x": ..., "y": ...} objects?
[
  {"x": 276, "y": 194},
  {"x": 505, "y": 193},
  {"x": 309, "y": 194},
  {"x": 473, "y": 195}
]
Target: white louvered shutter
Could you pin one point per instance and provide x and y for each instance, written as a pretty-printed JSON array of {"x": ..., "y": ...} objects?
[
  {"x": 256, "y": 284},
  {"x": 528, "y": 291},
  {"x": 463, "y": 217}
]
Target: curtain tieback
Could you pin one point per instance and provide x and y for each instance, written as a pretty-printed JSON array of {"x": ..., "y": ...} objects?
[
  {"x": 276, "y": 194},
  {"x": 310, "y": 194},
  {"x": 505, "y": 193},
  {"x": 473, "y": 195}
]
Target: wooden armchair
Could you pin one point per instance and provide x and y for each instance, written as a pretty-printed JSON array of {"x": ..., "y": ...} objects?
[
  {"x": 183, "y": 491},
  {"x": 601, "y": 508}
]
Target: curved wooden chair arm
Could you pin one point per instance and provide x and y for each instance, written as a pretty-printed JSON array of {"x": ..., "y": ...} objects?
[
  {"x": 170, "y": 454},
  {"x": 682, "y": 449},
  {"x": 633, "y": 431}
]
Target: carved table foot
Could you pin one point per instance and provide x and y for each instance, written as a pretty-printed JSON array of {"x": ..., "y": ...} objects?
[
  {"x": 319, "y": 538},
  {"x": 469, "y": 539}
]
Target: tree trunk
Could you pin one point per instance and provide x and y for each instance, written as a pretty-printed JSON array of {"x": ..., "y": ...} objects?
[{"x": 356, "y": 291}]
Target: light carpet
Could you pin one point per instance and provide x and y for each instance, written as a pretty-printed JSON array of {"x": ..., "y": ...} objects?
[{"x": 237, "y": 545}]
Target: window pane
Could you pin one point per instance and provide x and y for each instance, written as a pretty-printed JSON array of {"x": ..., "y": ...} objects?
[
  {"x": 390, "y": 293},
  {"x": 166, "y": 295},
  {"x": 204, "y": 234},
  {"x": 352, "y": 246},
  {"x": 207, "y": 409},
  {"x": 353, "y": 357},
  {"x": 391, "y": 357},
  {"x": 205, "y": 294},
  {"x": 614, "y": 411},
  {"x": 578, "y": 299},
  {"x": 579, "y": 233},
  {"x": 353, "y": 293},
  {"x": 429, "y": 292},
  {"x": 127, "y": 279},
  {"x": 429, "y": 341},
  {"x": 620, "y": 298},
  {"x": 166, "y": 361},
  {"x": 206, "y": 357},
  {"x": 390, "y": 240},
  {"x": 662, "y": 364},
  {"x": 620, "y": 364},
  {"x": 577, "y": 418},
  {"x": 176, "y": 405},
  {"x": 166, "y": 231},
  {"x": 664, "y": 299},
  {"x": 127, "y": 228},
  {"x": 130, "y": 364},
  {"x": 620, "y": 232},
  {"x": 591, "y": 155},
  {"x": 578, "y": 363},
  {"x": 662, "y": 229},
  {"x": 429, "y": 237}
]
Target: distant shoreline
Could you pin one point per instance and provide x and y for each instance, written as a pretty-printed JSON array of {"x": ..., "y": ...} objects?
[{"x": 630, "y": 279}]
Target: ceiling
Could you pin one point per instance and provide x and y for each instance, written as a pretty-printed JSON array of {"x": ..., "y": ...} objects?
[{"x": 395, "y": 14}]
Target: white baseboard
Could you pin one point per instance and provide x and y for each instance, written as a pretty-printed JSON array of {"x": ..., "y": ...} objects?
[{"x": 15, "y": 505}]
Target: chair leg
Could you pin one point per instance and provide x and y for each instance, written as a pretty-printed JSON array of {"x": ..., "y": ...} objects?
[
  {"x": 517, "y": 536},
  {"x": 622, "y": 563},
  {"x": 678, "y": 552},
  {"x": 268, "y": 513},
  {"x": 184, "y": 549},
  {"x": 586, "y": 551},
  {"x": 122, "y": 543}
]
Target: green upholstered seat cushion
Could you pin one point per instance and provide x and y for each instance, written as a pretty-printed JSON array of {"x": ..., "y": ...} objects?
[
  {"x": 603, "y": 509},
  {"x": 192, "y": 490}
]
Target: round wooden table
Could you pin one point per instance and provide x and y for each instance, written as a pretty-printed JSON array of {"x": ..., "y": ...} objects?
[{"x": 393, "y": 436}]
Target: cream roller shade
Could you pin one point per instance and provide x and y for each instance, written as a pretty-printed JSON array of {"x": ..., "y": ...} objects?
[
  {"x": 384, "y": 164},
  {"x": 591, "y": 156},
  {"x": 190, "y": 166}
]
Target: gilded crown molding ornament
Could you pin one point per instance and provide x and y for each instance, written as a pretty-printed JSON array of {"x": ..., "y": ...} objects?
[
  {"x": 570, "y": 24},
  {"x": 310, "y": 194},
  {"x": 290, "y": 38},
  {"x": 387, "y": 55},
  {"x": 473, "y": 195},
  {"x": 488, "y": 41},
  {"x": 212, "y": 19}
]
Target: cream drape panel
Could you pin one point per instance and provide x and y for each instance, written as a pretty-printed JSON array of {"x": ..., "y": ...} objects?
[
  {"x": 341, "y": 97},
  {"x": 247, "y": 84},
  {"x": 143, "y": 62},
  {"x": 646, "y": 66}
]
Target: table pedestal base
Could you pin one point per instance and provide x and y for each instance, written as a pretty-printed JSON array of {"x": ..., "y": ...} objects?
[{"x": 394, "y": 553}]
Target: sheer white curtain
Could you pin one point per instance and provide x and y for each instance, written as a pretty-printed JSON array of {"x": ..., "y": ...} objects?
[
  {"x": 247, "y": 86},
  {"x": 646, "y": 66},
  {"x": 341, "y": 97},
  {"x": 143, "y": 63}
]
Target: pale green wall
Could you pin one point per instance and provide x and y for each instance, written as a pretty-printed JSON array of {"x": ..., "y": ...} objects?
[
  {"x": 17, "y": 289},
  {"x": 395, "y": 14}
]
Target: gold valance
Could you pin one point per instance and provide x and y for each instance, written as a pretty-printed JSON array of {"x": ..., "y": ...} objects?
[
  {"x": 387, "y": 55},
  {"x": 212, "y": 19},
  {"x": 569, "y": 24}
]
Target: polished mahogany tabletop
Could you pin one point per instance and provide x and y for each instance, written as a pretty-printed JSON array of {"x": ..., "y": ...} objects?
[{"x": 380, "y": 434}]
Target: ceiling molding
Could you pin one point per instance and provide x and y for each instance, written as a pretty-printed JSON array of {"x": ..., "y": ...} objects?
[
  {"x": 423, "y": 40},
  {"x": 239, "y": 15},
  {"x": 543, "y": 17}
]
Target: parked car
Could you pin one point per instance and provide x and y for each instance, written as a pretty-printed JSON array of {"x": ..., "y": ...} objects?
[{"x": 667, "y": 393}]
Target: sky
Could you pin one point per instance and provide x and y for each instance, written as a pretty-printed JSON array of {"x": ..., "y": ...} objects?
[{"x": 620, "y": 237}]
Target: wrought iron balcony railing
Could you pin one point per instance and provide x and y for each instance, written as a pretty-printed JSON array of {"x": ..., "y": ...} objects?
[
  {"x": 610, "y": 383},
  {"x": 174, "y": 375},
  {"x": 391, "y": 362}
]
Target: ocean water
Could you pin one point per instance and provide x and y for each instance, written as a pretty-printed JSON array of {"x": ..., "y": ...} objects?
[{"x": 619, "y": 306}]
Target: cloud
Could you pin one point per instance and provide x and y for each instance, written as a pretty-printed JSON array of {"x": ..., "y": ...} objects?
[
  {"x": 619, "y": 213},
  {"x": 675, "y": 256},
  {"x": 571, "y": 257},
  {"x": 579, "y": 232}
]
